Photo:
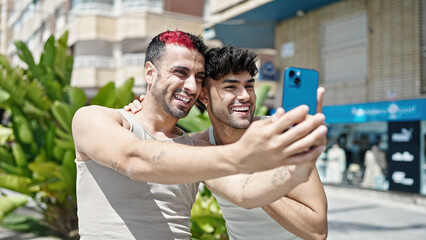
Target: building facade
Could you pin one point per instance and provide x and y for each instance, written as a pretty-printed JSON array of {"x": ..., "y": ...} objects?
[
  {"x": 370, "y": 58},
  {"x": 108, "y": 38}
]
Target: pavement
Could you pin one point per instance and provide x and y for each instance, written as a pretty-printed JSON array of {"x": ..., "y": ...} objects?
[{"x": 353, "y": 214}]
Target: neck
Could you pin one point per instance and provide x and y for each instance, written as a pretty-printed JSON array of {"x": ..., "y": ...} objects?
[
  {"x": 224, "y": 134},
  {"x": 156, "y": 121}
]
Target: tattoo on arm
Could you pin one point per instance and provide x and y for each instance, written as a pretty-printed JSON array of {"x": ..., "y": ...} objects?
[
  {"x": 159, "y": 157},
  {"x": 246, "y": 181},
  {"x": 278, "y": 173}
]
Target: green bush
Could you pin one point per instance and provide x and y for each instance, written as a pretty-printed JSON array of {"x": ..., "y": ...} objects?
[
  {"x": 37, "y": 150},
  {"x": 36, "y": 147}
]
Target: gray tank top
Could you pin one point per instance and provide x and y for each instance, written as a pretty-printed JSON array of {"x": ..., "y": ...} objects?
[
  {"x": 112, "y": 206},
  {"x": 249, "y": 224}
]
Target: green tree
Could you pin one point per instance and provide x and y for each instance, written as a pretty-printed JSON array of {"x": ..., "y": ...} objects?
[{"x": 36, "y": 147}]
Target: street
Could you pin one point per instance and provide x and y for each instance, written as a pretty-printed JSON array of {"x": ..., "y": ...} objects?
[{"x": 363, "y": 214}]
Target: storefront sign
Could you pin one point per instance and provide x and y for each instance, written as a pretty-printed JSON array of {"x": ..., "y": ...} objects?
[
  {"x": 404, "y": 156},
  {"x": 403, "y": 110},
  {"x": 404, "y": 136}
]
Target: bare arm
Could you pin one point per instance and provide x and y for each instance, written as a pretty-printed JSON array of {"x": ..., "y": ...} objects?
[
  {"x": 303, "y": 211},
  {"x": 100, "y": 134},
  {"x": 261, "y": 188}
]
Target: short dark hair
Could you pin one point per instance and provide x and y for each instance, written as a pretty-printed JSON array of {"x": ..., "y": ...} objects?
[
  {"x": 156, "y": 47},
  {"x": 225, "y": 60}
]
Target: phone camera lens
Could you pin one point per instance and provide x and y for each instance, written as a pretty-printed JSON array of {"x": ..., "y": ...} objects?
[
  {"x": 297, "y": 81},
  {"x": 291, "y": 73}
]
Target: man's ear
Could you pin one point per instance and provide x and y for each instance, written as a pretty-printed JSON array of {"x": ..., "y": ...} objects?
[
  {"x": 150, "y": 73},
  {"x": 203, "y": 97}
]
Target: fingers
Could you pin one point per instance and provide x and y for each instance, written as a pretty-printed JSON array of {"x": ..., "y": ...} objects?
[
  {"x": 302, "y": 129},
  {"x": 289, "y": 119},
  {"x": 320, "y": 99},
  {"x": 135, "y": 106},
  {"x": 315, "y": 138},
  {"x": 305, "y": 157},
  {"x": 277, "y": 114}
]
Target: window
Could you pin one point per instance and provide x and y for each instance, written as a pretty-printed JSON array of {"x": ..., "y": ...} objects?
[
  {"x": 344, "y": 49},
  {"x": 142, "y": 5},
  {"x": 93, "y": 5}
]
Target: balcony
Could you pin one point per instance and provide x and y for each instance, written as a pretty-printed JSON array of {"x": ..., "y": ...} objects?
[
  {"x": 154, "y": 6},
  {"x": 93, "y": 61},
  {"x": 135, "y": 59},
  {"x": 92, "y": 8}
]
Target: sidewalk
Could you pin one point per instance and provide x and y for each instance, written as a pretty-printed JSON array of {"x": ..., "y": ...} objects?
[
  {"x": 374, "y": 215},
  {"x": 402, "y": 199}
]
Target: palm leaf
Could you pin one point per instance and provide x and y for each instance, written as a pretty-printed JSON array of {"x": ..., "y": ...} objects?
[
  {"x": 63, "y": 113},
  {"x": 8, "y": 204},
  {"x": 15, "y": 183},
  {"x": 105, "y": 96},
  {"x": 124, "y": 94},
  {"x": 77, "y": 97}
]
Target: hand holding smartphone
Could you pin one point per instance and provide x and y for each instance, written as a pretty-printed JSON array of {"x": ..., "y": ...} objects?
[{"x": 300, "y": 87}]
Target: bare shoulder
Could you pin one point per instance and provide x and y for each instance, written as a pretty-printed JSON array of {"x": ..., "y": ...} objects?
[
  {"x": 93, "y": 111},
  {"x": 93, "y": 125},
  {"x": 95, "y": 114},
  {"x": 92, "y": 120}
]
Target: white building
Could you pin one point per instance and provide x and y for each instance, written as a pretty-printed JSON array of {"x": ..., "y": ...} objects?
[{"x": 107, "y": 38}]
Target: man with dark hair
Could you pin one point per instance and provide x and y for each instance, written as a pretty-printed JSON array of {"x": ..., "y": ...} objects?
[
  {"x": 134, "y": 181},
  {"x": 228, "y": 96}
]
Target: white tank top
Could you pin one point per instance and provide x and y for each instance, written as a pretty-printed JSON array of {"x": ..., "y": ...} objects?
[
  {"x": 112, "y": 206},
  {"x": 249, "y": 224}
]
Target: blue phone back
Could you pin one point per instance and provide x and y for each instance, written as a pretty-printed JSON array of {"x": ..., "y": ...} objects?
[{"x": 300, "y": 87}]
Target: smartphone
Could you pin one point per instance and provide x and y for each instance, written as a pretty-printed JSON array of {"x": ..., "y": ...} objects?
[{"x": 300, "y": 87}]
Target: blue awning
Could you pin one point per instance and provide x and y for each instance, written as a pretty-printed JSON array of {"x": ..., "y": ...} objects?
[
  {"x": 256, "y": 28},
  {"x": 401, "y": 110}
]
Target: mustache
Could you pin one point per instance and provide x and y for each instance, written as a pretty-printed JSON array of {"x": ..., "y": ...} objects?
[
  {"x": 237, "y": 102},
  {"x": 184, "y": 92}
]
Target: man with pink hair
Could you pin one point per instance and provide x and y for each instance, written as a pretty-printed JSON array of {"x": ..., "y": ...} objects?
[{"x": 137, "y": 178}]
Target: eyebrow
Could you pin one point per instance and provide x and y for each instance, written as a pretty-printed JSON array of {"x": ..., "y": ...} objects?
[
  {"x": 186, "y": 69},
  {"x": 236, "y": 81}
]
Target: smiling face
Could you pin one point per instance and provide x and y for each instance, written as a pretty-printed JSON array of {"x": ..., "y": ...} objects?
[
  {"x": 176, "y": 83},
  {"x": 230, "y": 100}
]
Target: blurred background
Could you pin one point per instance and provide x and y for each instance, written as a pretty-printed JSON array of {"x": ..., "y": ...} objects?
[{"x": 370, "y": 55}]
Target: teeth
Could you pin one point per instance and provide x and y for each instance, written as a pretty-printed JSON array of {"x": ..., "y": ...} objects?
[
  {"x": 184, "y": 99},
  {"x": 240, "y": 109}
]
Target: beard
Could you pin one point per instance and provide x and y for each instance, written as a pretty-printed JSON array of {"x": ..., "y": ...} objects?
[
  {"x": 160, "y": 95},
  {"x": 223, "y": 116}
]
